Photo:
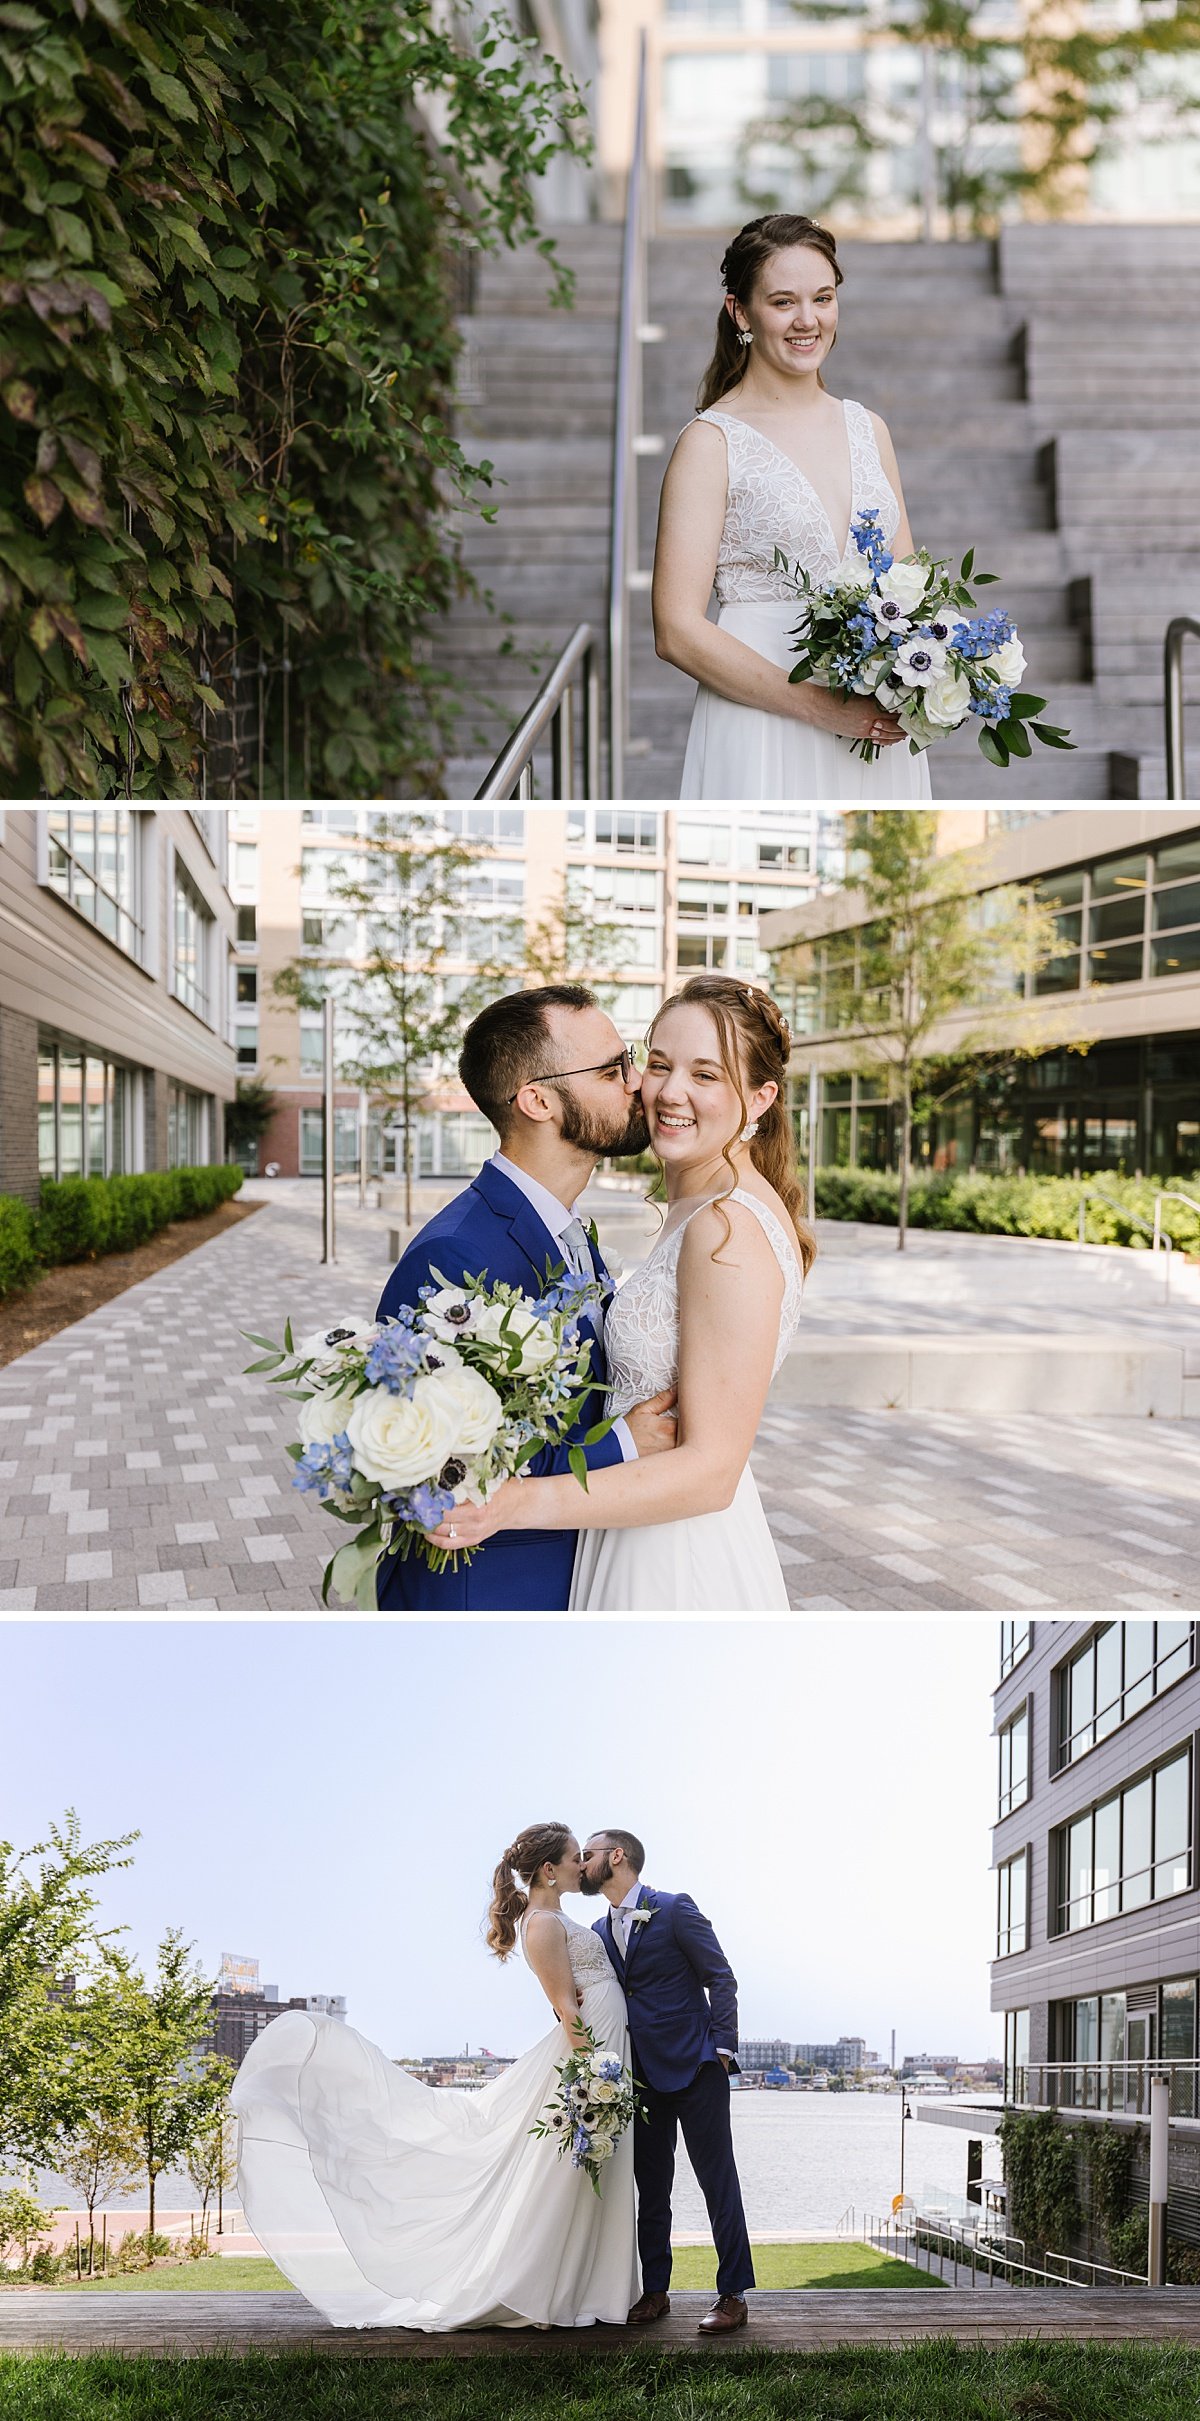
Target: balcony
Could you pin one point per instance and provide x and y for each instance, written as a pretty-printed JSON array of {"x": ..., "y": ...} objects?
[{"x": 1105, "y": 2088}]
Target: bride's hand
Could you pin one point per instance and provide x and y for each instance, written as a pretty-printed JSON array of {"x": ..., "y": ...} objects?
[
  {"x": 849, "y": 718},
  {"x": 469, "y": 1525}
]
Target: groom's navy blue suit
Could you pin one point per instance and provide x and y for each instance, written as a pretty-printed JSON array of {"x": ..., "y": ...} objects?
[
  {"x": 681, "y": 1996},
  {"x": 492, "y": 1231}
]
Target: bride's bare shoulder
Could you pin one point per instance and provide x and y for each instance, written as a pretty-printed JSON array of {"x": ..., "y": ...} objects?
[{"x": 726, "y": 1232}]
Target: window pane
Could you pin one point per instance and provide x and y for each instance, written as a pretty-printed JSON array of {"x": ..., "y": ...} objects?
[
  {"x": 1081, "y": 1698},
  {"x": 1119, "y": 965},
  {"x": 94, "y": 1084},
  {"x": 1108, "y": 1680},
  {"x": 1087, "y": 2029},
  {"x": 1017, "y": 1904},
  {"x": 1112, "y": 2026},
  {"x": 47, "y": 1144},
  {"x": 1121, "y": 874},
  {"x": 1174, "y": 859},
  {"x": 1172, "y": 1828},
  {"x": 1174, "y": 1650},
  {"x": 247, "y": 924},
  {"x": 1139, "y": 1659},
  {"x": 70, "y": 1086},
  {"x": 1079, "y": 1873},
  {"x": 1117, "y": 919},
  {"x": 1136, "y": 1880},
  {"x": 1107, "y": 1860},
  {"x": 1178, "y": 907},
  {"x": 1178, "y": 956}
]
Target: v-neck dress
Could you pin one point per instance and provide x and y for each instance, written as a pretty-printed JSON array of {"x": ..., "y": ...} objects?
[{"x": 743, "y": 752}]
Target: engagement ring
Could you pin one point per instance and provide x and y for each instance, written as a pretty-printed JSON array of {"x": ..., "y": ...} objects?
[{"x": 453, "y": 1531}]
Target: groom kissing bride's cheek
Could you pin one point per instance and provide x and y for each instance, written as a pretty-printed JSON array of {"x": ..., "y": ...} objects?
[
  {"x": 513, "y": 2206},
  {"x": 681, "y": 1358}
]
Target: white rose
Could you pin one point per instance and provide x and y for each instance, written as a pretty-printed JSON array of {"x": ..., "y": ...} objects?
[
  {"x": 920, "y": 661},
  {"x": 449, "y": 1314},
  {"x": 850, "y": 578},
  {"x": 602, "y": 2148},
  {"x": 947, "y": 699},
  {"x": 399, "y": 1439},
  {"x": 472, "y": 1408},
  {"x": 1007, "y": 663},
  {"x": 905, "y": 584},
  {"x": 324, "y": 1417},
  {"x": 535, "y": 1337},
  {"x": 604, "y": 2091}
]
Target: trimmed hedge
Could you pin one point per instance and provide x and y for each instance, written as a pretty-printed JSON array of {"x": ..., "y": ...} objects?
[
  {"x": 83, "y": 1217},
  {"x": 1010, "y": 1206}
]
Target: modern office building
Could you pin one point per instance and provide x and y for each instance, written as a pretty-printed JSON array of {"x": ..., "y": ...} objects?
[
  {"x": 671, "y": 889},
  {"x": 241, "y": 2007},
  {"x": 116, "y": 929},
  {"x": 722, "y": 71},
  {"x": 1120, "y": 1087},
  {"x": 1097, "y": 1967}
]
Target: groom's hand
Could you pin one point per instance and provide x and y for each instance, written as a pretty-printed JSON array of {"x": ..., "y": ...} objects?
[{"x": 653, "y": 1425}]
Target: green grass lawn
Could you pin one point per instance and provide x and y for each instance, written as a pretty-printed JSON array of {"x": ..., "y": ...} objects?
[
  {"x": 932, "y": 2381},
  {"x": 695, "y": 2265},
  {"x": 802, "y": 2265}
]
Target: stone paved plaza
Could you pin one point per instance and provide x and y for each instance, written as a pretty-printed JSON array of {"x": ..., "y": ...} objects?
[{"x": 140, "y": 1470}]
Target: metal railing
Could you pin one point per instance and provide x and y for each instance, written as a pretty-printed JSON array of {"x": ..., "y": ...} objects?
[
  {"x": 1183, "y": 627},
  {"x": 1170, "y": 1193},
  {"x": 1090, "y": 1192},
  {"x": 629, "y": 439},
  {"x": 988, "y": 2259},
  {"x": 1122, "y": 2086},
  {"x": 554, "y": 707}
]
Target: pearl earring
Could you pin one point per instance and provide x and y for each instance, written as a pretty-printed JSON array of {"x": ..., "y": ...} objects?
[{"x": 750, "y": 1131}]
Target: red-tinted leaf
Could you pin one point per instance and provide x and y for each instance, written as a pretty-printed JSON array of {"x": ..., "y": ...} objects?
[
  {"x": 47, "y": 450},
  {"x": 69, "y": 629},
  {"x": 9, "y": 743},
  {"x": 88, "y": 143},
  {"x": 44, "y": 499},
  {"x": 85, "y": 459},
  {"x": 41, "y": 628},
  {"x": 21, "y": 398}
]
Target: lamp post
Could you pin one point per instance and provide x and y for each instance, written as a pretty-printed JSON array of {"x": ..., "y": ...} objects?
[
  {"x": 905, "y": 2115},
  {"x": 329, "y": 1128}
]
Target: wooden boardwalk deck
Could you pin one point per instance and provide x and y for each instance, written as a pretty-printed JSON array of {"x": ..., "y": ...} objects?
[{"x": 782, "y": 2321}]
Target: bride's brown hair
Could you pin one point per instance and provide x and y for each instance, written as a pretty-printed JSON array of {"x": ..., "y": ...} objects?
[
  {"x": 538, "y": 1845},
  {"x": 741, "y": 269},
  {"x": 755, "y": 1046}
]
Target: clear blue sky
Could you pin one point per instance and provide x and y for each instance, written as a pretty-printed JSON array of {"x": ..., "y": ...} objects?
[{"x": 332, "y": 1797}]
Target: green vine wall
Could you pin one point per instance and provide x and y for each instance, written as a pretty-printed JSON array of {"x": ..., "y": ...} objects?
[{"x": 227, "y": 344}]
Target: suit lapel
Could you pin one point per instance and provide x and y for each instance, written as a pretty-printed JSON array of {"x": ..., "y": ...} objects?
[
  {"x": 644, "y": 1900},
  {"x": 611, "y": 1944}
]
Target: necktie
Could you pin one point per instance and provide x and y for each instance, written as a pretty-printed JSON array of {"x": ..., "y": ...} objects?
[{"x": 576, "y": 1250}]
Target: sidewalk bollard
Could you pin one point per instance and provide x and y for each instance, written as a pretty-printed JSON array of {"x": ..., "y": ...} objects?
[{"x": 1160, "y": 2136}]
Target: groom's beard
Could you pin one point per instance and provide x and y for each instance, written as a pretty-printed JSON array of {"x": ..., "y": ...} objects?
[
  {"x": 590, "y": 1886},
  {"x": 622, "y": 1133}
]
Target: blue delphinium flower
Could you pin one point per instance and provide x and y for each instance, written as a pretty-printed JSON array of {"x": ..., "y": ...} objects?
[
  {"x": 428, "y": 1504},
  {"x": 870, "y": 541},
  {"x": 984, "y": 635},
  {"x": 394, "y": 1359},
  {"x": 322, "y": 1467},
  {"x": 610, "y": 2071}
]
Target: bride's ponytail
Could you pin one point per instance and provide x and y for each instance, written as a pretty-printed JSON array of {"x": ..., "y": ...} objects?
[{"x": 539, "y": 1845}]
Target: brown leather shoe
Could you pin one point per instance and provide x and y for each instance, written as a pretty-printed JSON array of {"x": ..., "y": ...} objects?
[
  {"x": 728, "y": 2312},
  {"x": 648, "y": 2307}
]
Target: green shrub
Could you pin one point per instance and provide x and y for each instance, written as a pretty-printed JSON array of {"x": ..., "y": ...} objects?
[
  {"x": 1010, "y": 1206},
  {"x": 133, "y": 1211},
  {"x": 18, "y": 1251},
  {"x": 75, "y": 1219}
]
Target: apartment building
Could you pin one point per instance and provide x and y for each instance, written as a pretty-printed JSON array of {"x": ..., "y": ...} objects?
[
  {"x": 1097, "y": 1966},
  {"x": 116, "y": 929},
  {"x": 1125, "y": 884},
  {"x": 672, "y": 889},
  {"x": 242, "y": 2006}
]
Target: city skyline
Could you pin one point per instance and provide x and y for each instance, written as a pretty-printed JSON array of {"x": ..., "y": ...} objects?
[{"x": 299, "y": 1797}]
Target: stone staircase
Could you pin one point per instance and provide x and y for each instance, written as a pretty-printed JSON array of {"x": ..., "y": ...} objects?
[{"x": 1042, "y": 397}]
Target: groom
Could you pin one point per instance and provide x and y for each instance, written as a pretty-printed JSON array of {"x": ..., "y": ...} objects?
[
  {"x": 681, "y": 1997},
  {"x": 550, "y": 1071}
]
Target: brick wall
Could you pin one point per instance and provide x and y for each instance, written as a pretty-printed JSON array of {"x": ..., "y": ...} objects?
[{"x": 18, "y": 1106}]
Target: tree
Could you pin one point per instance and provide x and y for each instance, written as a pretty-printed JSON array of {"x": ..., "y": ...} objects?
[
  {"x": 98, "y": 2150},
  {"x": 408, "y": 891},
  {"x": 571, "y": 943},
  {"x": 248, "y": 1117},
  {"x": 171, "y": 2089},
  {"x": 212, "y": 2162},
  {"x": 48, "y": 1940},
  {"x": 931, "y": 943}
]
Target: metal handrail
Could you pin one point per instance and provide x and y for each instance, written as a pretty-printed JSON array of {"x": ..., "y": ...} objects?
[
  {"x": 1115, "y": 2085},
  {"x": 1113, "y": 1204},
  {"x": 908, "y": 2237},
  {"x": 628, "y": 439},
  {"x": 1170, "y": 1193},
  {"x": 1182, "y": 627},
  {"x": 512, "y": 774}
]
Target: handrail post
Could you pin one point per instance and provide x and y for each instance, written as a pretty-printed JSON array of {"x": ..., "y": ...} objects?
[
  {"x": 623, "y": 531},
  {"x": 591, "y": 725},
  {"x": 1184, "y": 626},
  {"x": 562, "y": 739}
]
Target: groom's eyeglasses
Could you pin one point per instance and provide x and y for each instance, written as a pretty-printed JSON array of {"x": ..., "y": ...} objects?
[{"x": 624, "y": 1060}]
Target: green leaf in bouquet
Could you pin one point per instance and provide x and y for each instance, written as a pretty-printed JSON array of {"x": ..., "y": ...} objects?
[
  {"x": 993, "y": 747},
  {"x": 271, "y": 1362},
  {"x": 268, "y": 1343},
  {"x": 295, "y": 1450},
  {"x": 1051, "y": 736},
  {"x": 1015, "y": 737},
  {"x": 578, "y": 1462},
  {"x": 985, "y": 579},
  {"x": 598, "y": 1430},
  {"x": 965, "y": 567},
  {"x": 1024, "y": 703},
  {"x": 289, "y": 1342}
]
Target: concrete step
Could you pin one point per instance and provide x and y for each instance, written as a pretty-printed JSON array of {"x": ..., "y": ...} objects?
[{"x": 1100, "y": 1374}]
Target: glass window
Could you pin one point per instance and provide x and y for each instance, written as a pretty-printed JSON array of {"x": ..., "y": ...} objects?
[
  {"x": 1062, "y": 891},
  {"x": 627, "y": 830},
  {"x": 1131, "y": 1848},
  {"x": 1172, "y": 1828},
  {"x": 1178, "y": 907},
  {"x": 702, "y": 950},
  {"x": 698, "y": 900},
  {"x": 84, "y": 1118},
  {"x": 192, "y": 926},
  {"x": 47, "y": 1114},
  {"x": 312, "y": 1142},
  {"x": 1012, "y": 1907},
  {"x": 704, "y": 844},
  {"x": 1119, "y": 965},
  {"x": 189, "y": 1128},
  {"x": 247, "y": 984},
  {"x": 1014, "y": 1642},
  {"x": 93, "y": 861},
  {"x": 245, "y": 864},
  {"x": 1177, "y": 2038},
  {"x": 1016, "y": 2053},
  {"x": 1117, "y": 919},
  {"x": 1173, "y": 860},
  {"x": 247, "y": 924},
  {"x": 1106, "y": 1861},
  {"x": 1113, "y": 1675},
  {"x": 246, "y": 1045},
  {"x": 1014, "y": 1762},
  {"x": 1178, "y": 956},
  {"x": 1119, "y": 874}
]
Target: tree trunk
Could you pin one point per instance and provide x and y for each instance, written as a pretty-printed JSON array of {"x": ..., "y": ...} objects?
[
  {"x": 905, "y": 1158},
  {"x": 407, "y": 1154}
]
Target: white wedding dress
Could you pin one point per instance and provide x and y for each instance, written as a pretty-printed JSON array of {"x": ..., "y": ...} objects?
[
  {"x": 713, "y": 1562},
  {"x": 742, "y": 752},
  {"x": 394, "y": 2204}
]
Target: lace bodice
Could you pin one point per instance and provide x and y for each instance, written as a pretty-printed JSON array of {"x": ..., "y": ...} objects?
[
  {"x": 771, "y": 504},
  {"x": 641, "y": 1336},
  {"x": 590, "y": 1962}
]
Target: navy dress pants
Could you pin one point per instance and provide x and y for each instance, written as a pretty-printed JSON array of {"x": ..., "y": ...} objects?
[{"x": 702, "y": 2110}]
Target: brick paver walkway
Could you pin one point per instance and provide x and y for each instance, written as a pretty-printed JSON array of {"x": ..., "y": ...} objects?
[{"x": 140, "y": 1470}]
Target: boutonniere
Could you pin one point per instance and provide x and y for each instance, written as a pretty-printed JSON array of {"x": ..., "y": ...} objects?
[{"x": 640, "y": 1916}]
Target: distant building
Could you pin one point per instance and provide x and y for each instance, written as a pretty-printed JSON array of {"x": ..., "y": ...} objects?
[
  {"x": 463, "y": 2069},
  {"x": 840, "y": 2058},
  {"x": 930, "y": 2063},
  {"x": 765, "y": 2054},
  {"x": 242, "y": 2007}
]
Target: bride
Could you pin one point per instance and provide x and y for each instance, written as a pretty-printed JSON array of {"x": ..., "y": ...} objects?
[
  {"x": 713, "y": 1311},
  {"x": 391, "y": 2205},
  {"x": 774, "y": 460}
]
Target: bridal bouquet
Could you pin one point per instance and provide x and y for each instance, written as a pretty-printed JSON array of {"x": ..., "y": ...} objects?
[
  {"x": 404, "y": 1419},
  {"x": 595, "y": 2102},
  {"x": 904, "y": 631}
]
